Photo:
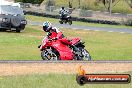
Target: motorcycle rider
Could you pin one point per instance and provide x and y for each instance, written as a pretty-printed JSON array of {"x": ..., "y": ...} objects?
[
  {"x": 54, "y": 33},
  {"x": 63, "y": 13}
]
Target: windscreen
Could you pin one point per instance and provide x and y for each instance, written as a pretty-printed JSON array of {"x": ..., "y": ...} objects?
[{"x": 13, "y": 10}]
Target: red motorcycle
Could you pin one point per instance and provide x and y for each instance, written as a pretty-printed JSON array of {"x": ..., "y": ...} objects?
[{"x": 52, "y": 49}]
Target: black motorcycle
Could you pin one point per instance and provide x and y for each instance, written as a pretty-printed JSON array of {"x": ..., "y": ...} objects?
[{"x": 66, "y": 19}]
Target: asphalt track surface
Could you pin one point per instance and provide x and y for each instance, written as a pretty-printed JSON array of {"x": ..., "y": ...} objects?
[{"x": 108, "y": 29}]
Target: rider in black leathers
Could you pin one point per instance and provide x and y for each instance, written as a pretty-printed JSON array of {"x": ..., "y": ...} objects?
[{"x": 63, "y": 13}]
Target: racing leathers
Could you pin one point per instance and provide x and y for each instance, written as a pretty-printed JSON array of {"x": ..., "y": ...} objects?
[{"x": 63, "y": 14}]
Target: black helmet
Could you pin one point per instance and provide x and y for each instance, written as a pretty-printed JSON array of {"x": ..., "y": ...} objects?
[{"x": 62, "y": 7}]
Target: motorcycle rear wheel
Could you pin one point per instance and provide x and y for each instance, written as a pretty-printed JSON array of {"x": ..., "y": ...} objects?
[
  {"x": 49, "y": 54},
  {"x": 70, "y": 22}
]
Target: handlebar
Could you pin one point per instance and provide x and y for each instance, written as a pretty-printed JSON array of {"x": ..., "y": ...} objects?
[{"x": 52, "y": 39}]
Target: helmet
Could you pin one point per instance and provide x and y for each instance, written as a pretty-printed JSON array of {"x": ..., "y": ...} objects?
[
  {"x": 62, "y": 7},
  {"x": 47, "y": 26}
]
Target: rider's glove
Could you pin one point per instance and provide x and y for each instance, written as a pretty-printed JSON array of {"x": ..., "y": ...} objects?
[
  {"x": 39, "y": 46},
  {"x": 55, "y": 38}
]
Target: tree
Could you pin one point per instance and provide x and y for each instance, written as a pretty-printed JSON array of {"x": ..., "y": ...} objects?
[
  {"x": 70, "y": 4},
  {"x": 129, "y": 2},
  {"x": 108, "y": 4},
  {"x": 50, "y": 3}
]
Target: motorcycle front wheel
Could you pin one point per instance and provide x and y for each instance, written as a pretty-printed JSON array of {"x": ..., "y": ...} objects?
[
  {"x": 61, "y": 22},
  {"x": 49, "y": 54},
  {"x": 86, "y": 55}
]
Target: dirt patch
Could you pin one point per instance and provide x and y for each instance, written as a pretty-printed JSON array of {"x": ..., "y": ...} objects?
[{"x": 62, "y": 68}]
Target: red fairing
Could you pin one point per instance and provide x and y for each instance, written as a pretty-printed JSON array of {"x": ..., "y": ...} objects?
[
  {"x": 75, "y": 40},
  {"x": 66, "y": 41},
  {"x": 53, "y": 35},
  {"x": 56, "y": 35},
  {"x": 64, "y": 51},
  {"x": 59, "y": 35},
  {"x": 44, "y": 43}
]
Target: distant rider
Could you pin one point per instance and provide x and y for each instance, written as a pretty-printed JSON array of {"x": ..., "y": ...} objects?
[{"x": 63, "y": 13}]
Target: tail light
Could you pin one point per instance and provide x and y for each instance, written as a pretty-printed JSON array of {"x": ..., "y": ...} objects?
[
  {"x": 4, "y": 20},
  {"x": 0, "y": 19},
  {"x": 23, "y": 22}
]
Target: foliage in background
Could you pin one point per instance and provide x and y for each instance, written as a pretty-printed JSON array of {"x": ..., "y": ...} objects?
[
  {"x": 122, "y": 6},
  {"x": 50, "y": 3},
  {"x": 129, "y": 2},
  {"x": 106, "y": 3},
  {"x": 129, "y": 22},
  {"x": 103, "y": 5}
]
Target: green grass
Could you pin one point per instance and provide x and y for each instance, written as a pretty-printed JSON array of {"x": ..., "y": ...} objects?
[
  {"x": 101, "y": 45},
  {"x": 19, "y": 46},
  {"x": 42, "y": 19},
  {"x": 51, "y": 81}
]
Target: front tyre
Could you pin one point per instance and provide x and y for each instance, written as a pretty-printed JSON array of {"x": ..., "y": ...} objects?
[
  {"x": 61, "y": 22},
  {"x": 49, "y": 54},
  {"x": 86, "y": 55}
]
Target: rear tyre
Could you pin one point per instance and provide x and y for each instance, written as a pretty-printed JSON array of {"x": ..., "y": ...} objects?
[
  {"x": 50, "y": 54},
  {"x": 70, "y": 22},
  {"x": 18, "y": 30},
  {"x": 15, "y": 21}
]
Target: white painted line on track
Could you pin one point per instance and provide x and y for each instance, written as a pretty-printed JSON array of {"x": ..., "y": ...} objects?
[
  {"x": 122, "y": 32},
  {"x": 96, "y": 30},
  {"x": 110, "y": 31}
]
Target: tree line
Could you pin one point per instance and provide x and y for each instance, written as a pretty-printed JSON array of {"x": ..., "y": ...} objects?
[{"x": 106, "y": 3}]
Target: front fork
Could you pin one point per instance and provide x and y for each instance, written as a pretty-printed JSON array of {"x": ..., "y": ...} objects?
[{"x": 78, "y": 53}]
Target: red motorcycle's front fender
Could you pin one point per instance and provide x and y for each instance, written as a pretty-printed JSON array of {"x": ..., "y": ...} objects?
[
  {"x": 45, "y": 43},
  {"x": 75, "y": 40}
]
